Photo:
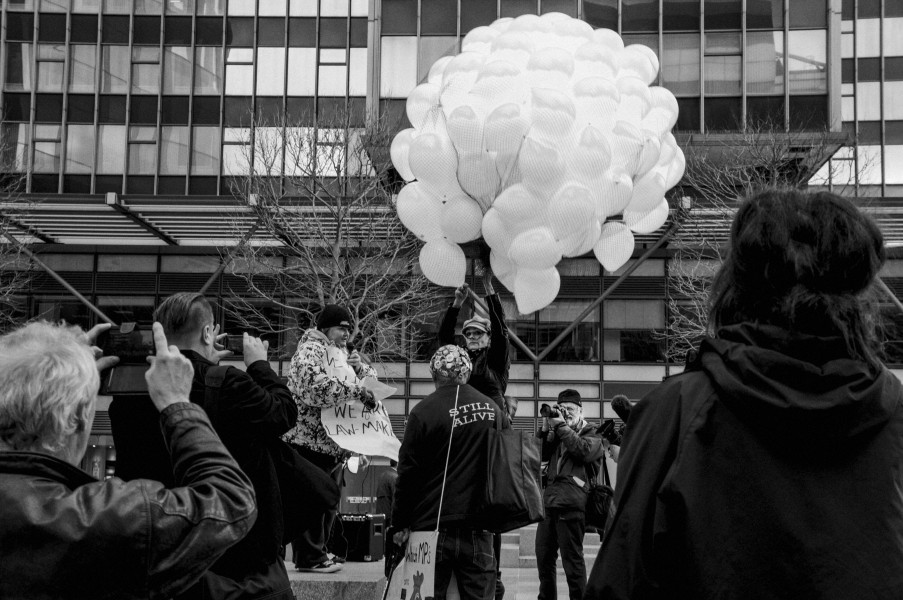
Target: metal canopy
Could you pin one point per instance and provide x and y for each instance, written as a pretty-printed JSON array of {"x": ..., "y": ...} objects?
[{"x": 217, "y": 221}]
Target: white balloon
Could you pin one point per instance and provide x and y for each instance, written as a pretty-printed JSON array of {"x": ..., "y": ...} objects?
[
  {"x": 438, "y": 69},
  {"x": 647, "y": 221},
  {"x": 505, "y": 129},
  {"x": 637, "y": 60},
  {"x": 657, "y": 121},
  {"x": 675, "y": 169},
  {"x": 648, "y": 192},
  {"x": 503, "y": 268},
  {"x": 553, "y": 112},
  {"x": 535, "y": 288},
  {"x": 610, "y": 39},
  {"x": 663, "y": 98},
  {"x": 479, "y": 40},
  {"x": 596, "y": 101},
  {"x": 401, "y": 146},
  {"x": 571, "y": 211},
  {"x": 550, "y": 68},
  {"x": 530, "y": 24},
  {"x": 652, "y": 148},
  {"x": 433, "y": 159},
  {"x": 465, "y": 129},
  {"x": 540, "y": 164},
  {"x": 592, "y": 156},
  {"x": 421, "y": 99},
  {"x": 502, "y": 24},
  {"x": 517, "y": 204},
  {"x": 461, "y": 219},
  {"x": 420, "y": 211},
  {"x": 499, "y": 82},
  {"x": 496, "y": 232},
  {"x": 535, "y": 248},
  {"x": 443, "y": 263},
  {"x": 458, "y": 79},
  {"x": 614, "y": 192},
  {"x": 635, "y": 99},
  {"x": 515, "y": 47},
  {"x": 478, "y": 177},
  {"x": 594, "y": 60},
  {"x": 615, "y": 246},
  {"x": 626, "y": 144},
  {"x": 589, "y": 240}
]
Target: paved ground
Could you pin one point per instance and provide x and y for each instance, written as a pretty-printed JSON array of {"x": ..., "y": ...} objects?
[{"x": 520, "y": 583}]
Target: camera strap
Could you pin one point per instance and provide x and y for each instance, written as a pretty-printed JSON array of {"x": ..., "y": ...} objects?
[{"x": 447, "y": 456}]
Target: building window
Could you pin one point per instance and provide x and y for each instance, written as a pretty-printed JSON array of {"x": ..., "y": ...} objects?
[
  {"x": 110, "y": 149},
  {"x": 115, "y": 75},
  {"x": 142, "y": 150},
  {"x": 79, "y": 149},
  {"x": 807, "y": 64},
  {"x": 82, "y": 68},
  {"x": 177, "y": 70},
  {"x": 765, "y": 62},
  {"x": 51, "y": 62},
  {"x": 722, "y": 64},
  {"x": 240, "y": 72},
  {"x": 145, "y": 70},
  {"x": 632, "y": 331},
  {"x": 47, "y": 148},
  {"x": 680, "y": 63},
  {"x": 18, "y": 67},
  {"x": 581, "y": 344}
]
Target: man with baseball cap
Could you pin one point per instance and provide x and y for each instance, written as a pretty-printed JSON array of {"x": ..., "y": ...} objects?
[
  {"x": 318, "y": 381},
  {"x": 574, "y": 451},
  {"x": 457, "y": 415}
]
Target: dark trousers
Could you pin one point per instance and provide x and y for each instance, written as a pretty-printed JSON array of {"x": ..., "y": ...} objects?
[
  {"x": 561, "y": 530},
  {"x": 468, "y": 554},
  {"x": 309, "y": 548}
]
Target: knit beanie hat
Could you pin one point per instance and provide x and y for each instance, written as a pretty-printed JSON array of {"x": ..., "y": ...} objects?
[
  {"x": 333, "y": 315},
  {"x": 569, "y": 395}
]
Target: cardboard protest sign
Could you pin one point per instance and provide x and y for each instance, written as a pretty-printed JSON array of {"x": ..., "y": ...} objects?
[
  {"x": 351, "y": 425},
  {"x": 414, "y": 578}
]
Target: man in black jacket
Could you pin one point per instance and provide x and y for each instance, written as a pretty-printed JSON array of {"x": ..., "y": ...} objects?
[
  {"x": 64, "y": 534},
  {"x": 249, "y": 410},
  {"x": 574, "y": 451},
  {"x": 459, "y": 416}
]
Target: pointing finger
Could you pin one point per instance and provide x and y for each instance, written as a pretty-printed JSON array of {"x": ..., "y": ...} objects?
[{"x": 160, "y": 340}]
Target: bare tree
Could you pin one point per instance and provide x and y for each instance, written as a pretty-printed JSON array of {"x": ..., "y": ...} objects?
[
  {"x": 327, "y": 232},
  {"x": 15, "y": 269},
  {"x": 720, "y": 170}
]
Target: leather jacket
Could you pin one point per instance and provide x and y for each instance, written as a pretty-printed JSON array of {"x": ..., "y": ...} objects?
[{"x": 65, "y": 535}]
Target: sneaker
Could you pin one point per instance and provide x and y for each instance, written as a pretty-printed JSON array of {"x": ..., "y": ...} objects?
[
  {"x": 334, "y": 558},
  {"x": 327, "y": 566}
]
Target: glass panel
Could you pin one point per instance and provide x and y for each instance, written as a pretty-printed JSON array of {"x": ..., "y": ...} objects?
[
  {"x": 50, "y": 76},
  {"x": 82, "y": 68},
  {"x": 174, "y": 151},
  {"x": 83, "y": 29},
  {"x": 439, "y": 17},
  {"x": 723, "y": 14},
  {"x": 639, "y": 15},
  {"x": 239, "y": 32},
  {"x": 273, "y": 8},
  {"x": 868, "y": 102},
  {"x": 431, "y": 49},
  {"x": 270, "y": 71},
  {"x": 893, "y": 106},
  {"x": 398, "y": 68},
  {"x": 332, "y": 80},
  {"x": 808, "y": 13},
  {"x": 765, "y": 14},
  {"x": 632, "y": 346},
  {"x": 687, "y": 114},
  {"x": 13, "y": 153},
  {"x": 110, "y": 149},
  {"x": 148, "y": 7},
  {"x": 71, "y": 311},
  {"x": 680, "y": 63},
  {"x": 399, "y": 17},
  {"x": 357, "y": 72},
  {"x": 893, "y": 164},
  {"x": 302, "y": 64},
  {"x": 807, "y": 67},
  {"x": 765, "y": 111},
  {"x": 723, "y": 114},
  {"x": 516, "y": 8},
  {"x": 242, "y": 7},
  {"x": 205, "y": 151},
  {"x": 208, "y": 31},
  {"x": 765, "y": 62},
  {"x": 79, "y": 148},
  {"x": 176, "y": 70},
  {"x": 479, "y": 12},
  {"x": 868, "y": 38},
  {"x": 302, "y": 8},
  {"x": 18, "y": 67},
  {"x": 722, "y": 43},
  {"x": 115, "y": 75},
  {"x": 208, "y": 70},
  {"x": 211, "y": 7},
  {"x": 145, "y": 78},
  {"x": 179, "y": 7},
  {"x": 893, "y": 36},
  {"x": 681, "y": 15},
  {"x": 239, "y": 80},
  {"x": 142, "y": 159},
  {"x": 270, "y": 32},
  {"x": 582, "y": 344},
  {"x": 21, "y": 5},
  {"x": 19, "y": 27},
  {"x": 47, "y": 157},
  {"x": 722, "y": 75}
]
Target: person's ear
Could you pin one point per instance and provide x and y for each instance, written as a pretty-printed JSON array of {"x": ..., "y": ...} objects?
[{"x": 207, "y": 335}]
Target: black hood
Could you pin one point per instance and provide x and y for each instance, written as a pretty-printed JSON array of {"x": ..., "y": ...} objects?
[{"x": 803, "y": 389}]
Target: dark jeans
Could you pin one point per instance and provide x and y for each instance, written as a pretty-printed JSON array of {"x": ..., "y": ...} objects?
[
  {"x": 468, "y": 554},
  {"x": 561, "y": 530},
  {"x": 309, "y": 548}
]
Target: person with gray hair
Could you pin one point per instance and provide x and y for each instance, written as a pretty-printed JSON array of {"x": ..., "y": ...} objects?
[
  {"x": 449, "y": 429},
  {"x": 64, "y": 534}
]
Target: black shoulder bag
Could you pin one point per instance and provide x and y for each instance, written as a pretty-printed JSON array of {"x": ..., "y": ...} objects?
[{"x": 599, "y": 501}]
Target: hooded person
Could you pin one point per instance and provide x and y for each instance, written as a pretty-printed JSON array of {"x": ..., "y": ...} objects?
[
  {"x": 323, "y": 373},
  {"x": 772, "y": 467}
]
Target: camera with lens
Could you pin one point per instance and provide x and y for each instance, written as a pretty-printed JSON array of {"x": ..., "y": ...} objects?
[
  {"x": 549, "y": 411},
  {"x": 132, "y": 346},
  {"x": 608, "y": 431}
]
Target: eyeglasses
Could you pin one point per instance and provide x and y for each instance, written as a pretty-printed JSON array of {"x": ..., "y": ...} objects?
[
  {"x": 567, "y": 409},
  {"x": 474, "y": 334}
]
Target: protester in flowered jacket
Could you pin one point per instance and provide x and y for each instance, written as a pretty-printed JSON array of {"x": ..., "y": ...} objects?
[{"x": 320, "y": 379}]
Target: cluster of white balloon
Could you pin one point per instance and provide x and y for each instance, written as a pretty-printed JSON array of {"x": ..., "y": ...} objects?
[{"x": 534, "y": 136}]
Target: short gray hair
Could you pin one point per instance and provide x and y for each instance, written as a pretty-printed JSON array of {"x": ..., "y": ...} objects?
[{"x": 48, "y": 386}]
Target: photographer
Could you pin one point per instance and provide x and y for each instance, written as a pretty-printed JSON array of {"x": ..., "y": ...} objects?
[{"x": 574, "y": 449}]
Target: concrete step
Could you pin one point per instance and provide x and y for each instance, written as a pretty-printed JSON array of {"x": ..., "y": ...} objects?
[{"x": 510, "y": 555}]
